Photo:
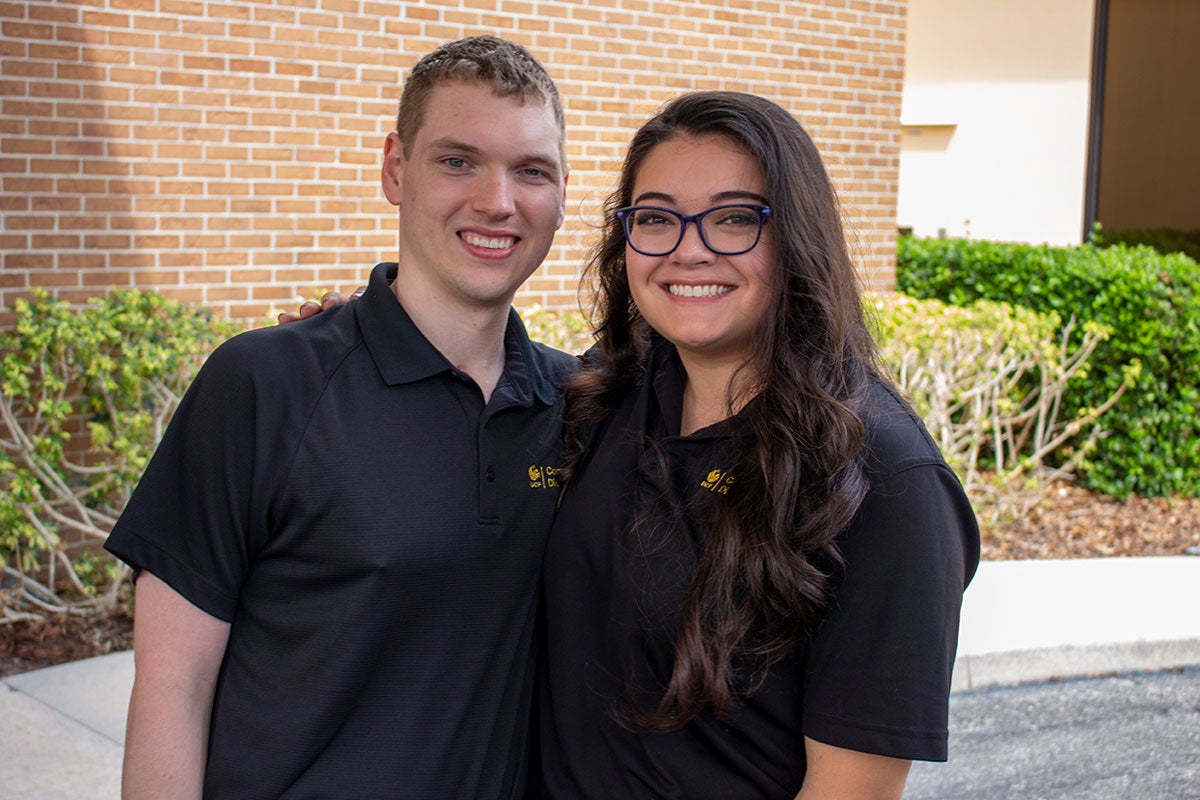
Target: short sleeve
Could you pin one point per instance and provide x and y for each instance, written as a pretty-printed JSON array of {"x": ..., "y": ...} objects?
[
  {"x": 190, "y": 519},
  {"x": 878, "y": 667}
]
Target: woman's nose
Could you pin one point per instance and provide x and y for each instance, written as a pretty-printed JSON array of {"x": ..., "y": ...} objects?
[{"x": 691, "y": 246}]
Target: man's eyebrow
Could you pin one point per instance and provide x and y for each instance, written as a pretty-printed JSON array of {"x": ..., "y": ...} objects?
[
  {"x": 448, "y": 143},
  {"x": 730, "y": 196}
]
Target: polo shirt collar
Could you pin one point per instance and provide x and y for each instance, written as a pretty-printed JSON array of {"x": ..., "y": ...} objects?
[
  {"x": 403, "y": 354},
  {"x": 668, "y": 379},
  {"x": 525, "y": 372},
  {"x": 400, "y": 351}
]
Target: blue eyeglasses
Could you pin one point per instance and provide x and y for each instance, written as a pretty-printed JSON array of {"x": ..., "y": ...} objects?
[{"x": 727, "y": 230}]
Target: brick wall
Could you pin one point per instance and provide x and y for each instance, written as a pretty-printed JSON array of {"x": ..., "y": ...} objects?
[{"x": 226, "y": 152}]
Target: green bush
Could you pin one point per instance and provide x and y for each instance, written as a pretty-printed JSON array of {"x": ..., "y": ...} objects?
[
  {"x": 565, "y": 330},
  {"x": 988, "y": 380},
  {"x": 1164, "y": 240},
  {"x": 86, "y": 397},
  {"x": 1149, "y": 302}
]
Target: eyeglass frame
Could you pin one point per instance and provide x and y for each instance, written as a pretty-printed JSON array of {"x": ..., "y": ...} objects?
[{"x": 625, "y": 214}]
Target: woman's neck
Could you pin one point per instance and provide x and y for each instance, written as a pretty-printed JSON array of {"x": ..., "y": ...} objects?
[{"x": 715, "y": 391}]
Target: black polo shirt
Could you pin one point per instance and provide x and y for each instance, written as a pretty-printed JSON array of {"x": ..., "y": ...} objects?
[
  {"x": 874, "y": 676},
  {"x": 337, "y": 491}
]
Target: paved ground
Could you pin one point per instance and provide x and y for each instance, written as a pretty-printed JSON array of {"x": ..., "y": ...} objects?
[
  {"x": 1124, "y": 737},
  {"x": 1133, "y": 737},
  {"x": 63, "y": 730}
]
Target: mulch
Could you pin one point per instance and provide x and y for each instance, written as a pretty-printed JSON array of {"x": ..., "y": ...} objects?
[
  {"x": 26, "y": 646},
  {"x": 1071, "y": 522},
  {"x": 1068, "y": 523}
]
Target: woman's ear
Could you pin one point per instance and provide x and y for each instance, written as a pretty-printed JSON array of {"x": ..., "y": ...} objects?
[{"x": 391, "y": 173}]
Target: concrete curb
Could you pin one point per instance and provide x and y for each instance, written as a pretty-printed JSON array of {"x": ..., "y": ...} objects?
[
  {"x": 1037, "y": 620},
  {"x": 1025, "y": 666}
]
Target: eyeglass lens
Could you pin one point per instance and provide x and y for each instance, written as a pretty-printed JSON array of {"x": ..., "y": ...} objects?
[{"x": 727, "y": 230}]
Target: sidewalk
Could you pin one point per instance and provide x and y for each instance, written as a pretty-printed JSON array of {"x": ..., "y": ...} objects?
[
  {"x": 1022, "y": 621},
  {"x": 64, "y": 729}
]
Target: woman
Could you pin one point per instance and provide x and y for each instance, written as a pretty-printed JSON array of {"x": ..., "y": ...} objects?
[{"x": 754, "y": 578}]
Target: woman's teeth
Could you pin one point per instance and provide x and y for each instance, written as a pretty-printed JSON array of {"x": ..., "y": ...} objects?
[{"x": 707, "y": 290}]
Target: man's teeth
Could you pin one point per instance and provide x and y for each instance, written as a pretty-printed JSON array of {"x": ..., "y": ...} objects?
[
  {"x": 497, "y": 243},
  {"x": 707, "y": 290}
]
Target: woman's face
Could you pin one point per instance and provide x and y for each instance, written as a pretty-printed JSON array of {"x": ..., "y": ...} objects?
[{"x": 707, "y": 305}]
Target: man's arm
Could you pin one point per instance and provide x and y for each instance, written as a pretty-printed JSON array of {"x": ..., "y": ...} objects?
[
  {"x": 835, "y": 773},
  {"x": 177, "y": 651}
]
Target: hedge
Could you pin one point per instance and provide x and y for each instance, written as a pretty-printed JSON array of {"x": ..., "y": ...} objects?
[
  {"x": 1150, "y": 303},
  {"x": 1164, "y": 240},
  {"x": 988, "y": 380},
  {"x": 86, "y": 395}
]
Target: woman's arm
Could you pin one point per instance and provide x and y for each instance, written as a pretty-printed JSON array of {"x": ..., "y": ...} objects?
[
  {"x": 177, "y": 651},
  {"x": 311, "y": 308},
  {"x": 835, "y": 773}
]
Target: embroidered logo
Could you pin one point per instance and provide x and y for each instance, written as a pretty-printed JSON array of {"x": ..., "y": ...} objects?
[
  {"x": 543, "y": 477},
  {"x": 718, "y": 481}
]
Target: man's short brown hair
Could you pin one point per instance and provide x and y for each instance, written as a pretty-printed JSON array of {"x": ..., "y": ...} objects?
[{"x": 508, "y": 69}]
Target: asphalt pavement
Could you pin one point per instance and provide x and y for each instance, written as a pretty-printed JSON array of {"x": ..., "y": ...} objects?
[
  {"x": 1073, "y": 679},
  {"x": 1133, "y": 736}
]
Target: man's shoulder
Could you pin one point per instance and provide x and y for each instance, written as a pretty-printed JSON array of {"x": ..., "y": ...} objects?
[
  {"x": 556, "y": 366},
  {"x": 296, "y": 352}
]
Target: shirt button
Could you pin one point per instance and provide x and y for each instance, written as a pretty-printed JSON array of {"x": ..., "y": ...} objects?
[{"x": 490, "y": 474}]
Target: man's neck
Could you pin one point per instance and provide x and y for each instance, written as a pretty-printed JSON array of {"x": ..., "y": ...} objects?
[{"x": 471, "y": 338}]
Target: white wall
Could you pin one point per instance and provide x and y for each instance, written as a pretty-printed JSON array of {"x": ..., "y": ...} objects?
[{"x": 995, "y": 119}]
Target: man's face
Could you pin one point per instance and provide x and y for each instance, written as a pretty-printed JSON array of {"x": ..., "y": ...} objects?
[{"x": 481, "y": 192}]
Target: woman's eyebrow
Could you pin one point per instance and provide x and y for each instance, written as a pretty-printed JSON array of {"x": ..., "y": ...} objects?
[{"x": 731, "y": 195}]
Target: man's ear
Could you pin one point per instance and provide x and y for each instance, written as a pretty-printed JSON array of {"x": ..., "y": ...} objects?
[
  {"x": 562, "y": 208},
  {"x": 391, "y": 173}
]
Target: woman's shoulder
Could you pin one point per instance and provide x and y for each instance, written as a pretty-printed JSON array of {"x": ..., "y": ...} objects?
[{"x": 896, "y": 438}]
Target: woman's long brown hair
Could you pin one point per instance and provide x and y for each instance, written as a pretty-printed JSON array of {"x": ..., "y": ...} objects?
[{"x": 763, "y": 576}]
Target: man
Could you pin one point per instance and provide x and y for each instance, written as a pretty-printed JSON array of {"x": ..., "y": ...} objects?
[{"x": 338, "y": 574}]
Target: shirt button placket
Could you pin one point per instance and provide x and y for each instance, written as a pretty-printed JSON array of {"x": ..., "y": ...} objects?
[{"x": 489, "y": 491}]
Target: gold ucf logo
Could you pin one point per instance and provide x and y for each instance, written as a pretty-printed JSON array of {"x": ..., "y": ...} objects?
[
  {"x": 718, "y": 481},
  {"x": 543, "y": 477}
]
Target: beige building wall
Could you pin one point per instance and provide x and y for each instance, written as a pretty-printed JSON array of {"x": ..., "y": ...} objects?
[
  {"x": 995, "y": 119},
  {"x": 226, "y": 153}
]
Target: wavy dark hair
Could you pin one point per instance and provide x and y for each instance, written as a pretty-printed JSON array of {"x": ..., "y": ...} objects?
[{"x": 764, "y": 573}]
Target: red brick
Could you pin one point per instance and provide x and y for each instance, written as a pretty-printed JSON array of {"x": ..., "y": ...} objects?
[{"x": 253, "y": 117}]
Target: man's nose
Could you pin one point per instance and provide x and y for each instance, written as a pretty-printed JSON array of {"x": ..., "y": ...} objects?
[{"x": 494, "y": 195}]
